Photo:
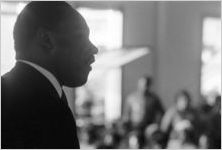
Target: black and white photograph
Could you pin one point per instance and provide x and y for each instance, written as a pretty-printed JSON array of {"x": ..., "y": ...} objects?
[{"x": 110, "y": 74}]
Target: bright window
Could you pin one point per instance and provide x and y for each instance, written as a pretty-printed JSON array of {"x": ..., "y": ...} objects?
[
  {"x": 9, "y": 12},
  {"x": 211, "y": 57},
  {"x": 105, "y": 27}
]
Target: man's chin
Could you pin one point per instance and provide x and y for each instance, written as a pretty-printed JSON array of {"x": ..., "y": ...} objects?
[{"x": 76, "y": 83}]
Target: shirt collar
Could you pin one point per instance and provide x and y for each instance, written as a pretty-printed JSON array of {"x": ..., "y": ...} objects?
[{"x": 47, "y": 74}]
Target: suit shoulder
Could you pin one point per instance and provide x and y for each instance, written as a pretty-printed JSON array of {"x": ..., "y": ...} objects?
[
  {"x": 14, "y": 90},
  {"x": 9, "y": 83},
  {"x": 5, "y": 85}
]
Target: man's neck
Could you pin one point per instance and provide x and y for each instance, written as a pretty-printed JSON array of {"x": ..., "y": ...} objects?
[{"x": 50, "y": 76}]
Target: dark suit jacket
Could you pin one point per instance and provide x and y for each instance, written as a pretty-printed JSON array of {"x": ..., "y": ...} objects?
[{"x": 33, "y": 115}]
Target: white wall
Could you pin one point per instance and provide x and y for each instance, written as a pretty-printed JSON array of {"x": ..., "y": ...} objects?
[{"x": 179, "y": 46}]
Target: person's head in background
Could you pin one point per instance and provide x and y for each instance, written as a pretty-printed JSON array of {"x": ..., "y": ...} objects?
[
  {"x": 56, "y": 37},
  {"x": 133, "y": 140},
  {"x": 217, "y": 104},
  {"x": 183, "y": 100},
  {"x": 145, "y": 83}
]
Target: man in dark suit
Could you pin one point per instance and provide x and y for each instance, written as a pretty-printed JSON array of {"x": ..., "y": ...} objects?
[{"x": 52, "y": 49}]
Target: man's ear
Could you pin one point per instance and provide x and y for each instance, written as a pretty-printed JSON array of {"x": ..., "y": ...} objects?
[{"x": 45, "y": 40}]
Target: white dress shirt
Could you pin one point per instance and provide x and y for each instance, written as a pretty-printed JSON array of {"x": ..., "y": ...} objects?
[{"x": 47, "y": 74}]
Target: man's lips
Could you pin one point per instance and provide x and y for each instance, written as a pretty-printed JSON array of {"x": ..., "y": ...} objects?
[{"x": 90, "y": 60}]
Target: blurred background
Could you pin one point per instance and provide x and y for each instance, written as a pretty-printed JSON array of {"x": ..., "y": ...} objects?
[{"x": 156, "y": 82}]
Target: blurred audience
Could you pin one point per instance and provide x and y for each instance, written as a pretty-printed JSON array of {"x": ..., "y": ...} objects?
[
  {"x": 181, "y": 122},
  {"x": 210, "y": 116},
  {"x": 144, "y": 124},
  {"x": 213, "y": 125}
]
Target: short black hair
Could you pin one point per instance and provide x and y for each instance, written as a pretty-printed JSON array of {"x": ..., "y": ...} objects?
[{"x": 45, "y": 14}]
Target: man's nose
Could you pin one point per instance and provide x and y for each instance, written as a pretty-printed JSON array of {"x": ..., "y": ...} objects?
[{"x": 94, "y": 49}]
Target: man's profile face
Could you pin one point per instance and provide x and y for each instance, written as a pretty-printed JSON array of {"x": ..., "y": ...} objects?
[{"x": 74, "y": 52}]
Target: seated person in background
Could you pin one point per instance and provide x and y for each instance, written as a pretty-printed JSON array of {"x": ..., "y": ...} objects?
[
  {"x": 154, "y": 137},
  {"x": 179, "y": 115},
  {"x": 185, "y": 136},
  {"x": 107, "y": 142},
  {"x": 213, "y": 130},
  {"x": 134, "y": 140},
  {"x": 210, "y": 114},
  {"x": 143, "y": 107},
  {"x": 204, "y": 107},
  {"x": 111, "y": 138}
]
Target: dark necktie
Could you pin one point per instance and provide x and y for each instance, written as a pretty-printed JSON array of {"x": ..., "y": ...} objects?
[{"x": 63, "y": 98}]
